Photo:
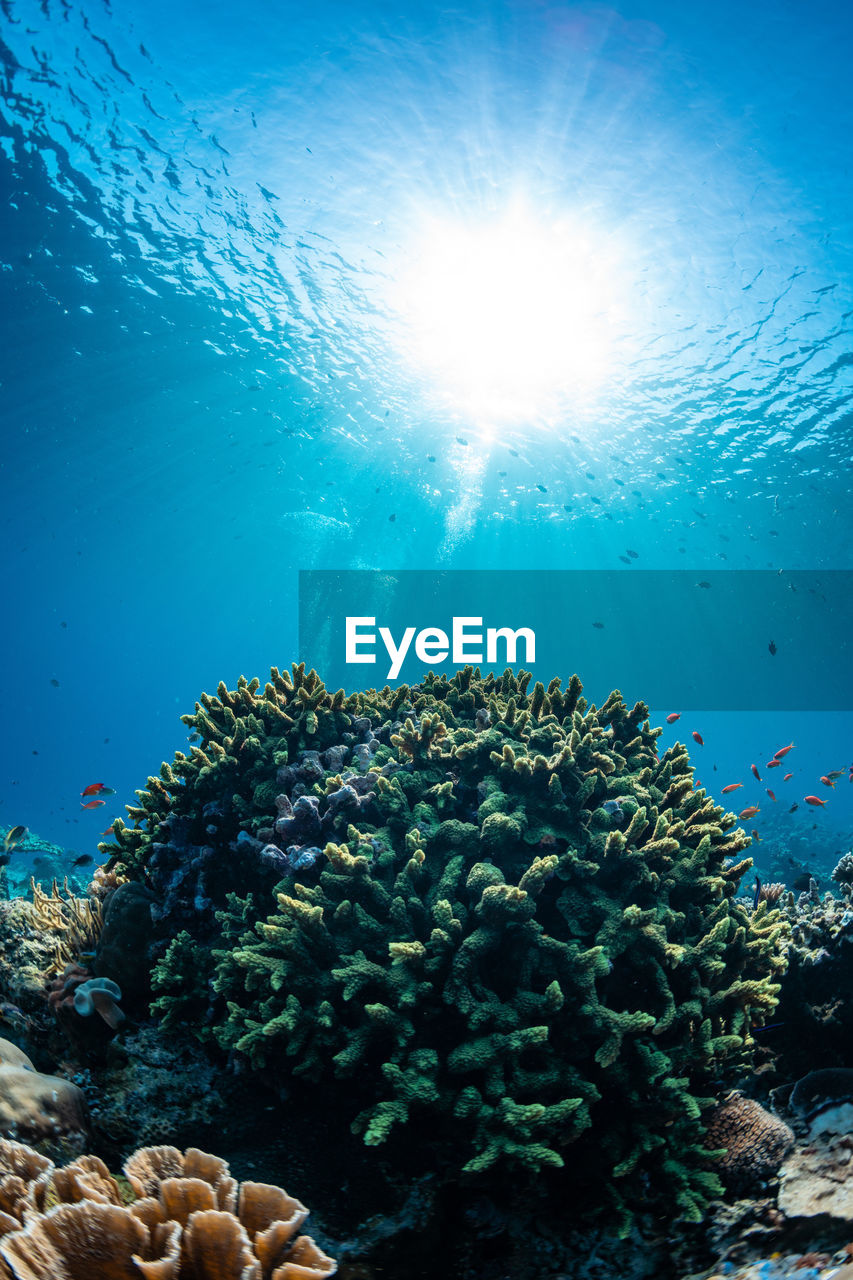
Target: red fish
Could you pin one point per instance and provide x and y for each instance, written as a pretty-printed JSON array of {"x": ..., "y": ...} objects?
[
  {"x": 783, "y": 751},
  {"x": 787, "y": 777},
  {"x": 733, "y": 786},
  {"x": 755, "y": 772},
  {"x": 93, "y": 804},
  {"x": 94, "y": 789},
  {"x": 827, "y": 782},
  {"x": 671, "y": 719},
  {"x": 749, "y": 812},
  {"x": 773, "y": 764},
  {"x": 814, "y": 800},
  {"x": 109, "y": 830},
  {"x": 697, "y": 737},
  {"x": 771, "y": 795}
]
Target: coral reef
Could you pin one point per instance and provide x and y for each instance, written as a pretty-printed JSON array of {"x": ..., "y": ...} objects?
[
  {"x": 188, "y": 1218},
  {"x": 755, "y": 1142},
  {"x": 842, "y": 872},
  {"x": 814, "y": 1018},
  {"x": 75, "y": 923},
  {"x": 45, "y": 1110},
  {"x": 123, "y": 942},
  {"x": 151, "y": 1089},
  {"x": 502, "y": 920}
]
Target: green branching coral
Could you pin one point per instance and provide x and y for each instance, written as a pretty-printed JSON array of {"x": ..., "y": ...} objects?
[{"x": 525, "y": 945}]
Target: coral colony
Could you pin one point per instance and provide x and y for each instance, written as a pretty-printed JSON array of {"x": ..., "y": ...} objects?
[{"x": 499, "y": 917}]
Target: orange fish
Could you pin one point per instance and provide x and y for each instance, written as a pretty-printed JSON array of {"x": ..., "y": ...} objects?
[
  {"x": 733, "y": 786},
  {"x": 671, "y": 719},
  {"x": 783, "y": 751},
  {"x": 773, "y": 764},
  {"x": 109, "y": 830},
  {"x": 756, "y": 837},
  {"x": 814, "y": 800},
  {"x": 697, "y": 737},
  {"x": 755, "y": 772},
  {"x": 749, "y": 812},
  {"x": 771, "y": 795},
  {"x": 93, "y": 804},
  {"x": 787, "y": 777},
  {"x": 93, "y": 789},
  {"x": 827, "y": 782}
]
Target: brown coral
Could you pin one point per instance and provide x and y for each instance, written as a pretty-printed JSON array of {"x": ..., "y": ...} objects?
[
  {"x": 37, "y": 1107},
  {"x": 75, "y": 923},
  {"x": 755, "y": 1142},
  {"x": 189, "y": 1221}
]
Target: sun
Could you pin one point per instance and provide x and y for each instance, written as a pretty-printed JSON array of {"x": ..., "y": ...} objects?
[{"x": 509, "y": 319}]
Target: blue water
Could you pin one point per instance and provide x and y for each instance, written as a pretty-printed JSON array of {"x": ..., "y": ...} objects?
[{"x": 206, "y": 385}]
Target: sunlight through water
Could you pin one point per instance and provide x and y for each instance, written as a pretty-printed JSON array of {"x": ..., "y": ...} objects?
[{"x": 511, "y": 318}]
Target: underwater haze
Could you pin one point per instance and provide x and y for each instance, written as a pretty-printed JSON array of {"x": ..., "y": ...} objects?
[{"x": 505, "y": 285}]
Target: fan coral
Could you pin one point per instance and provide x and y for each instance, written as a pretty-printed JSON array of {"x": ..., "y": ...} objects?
[
  {"x": 755, "y": 1142},
  {"x": 521, "y": 935},
  {"x": 189, "y": 1219}
]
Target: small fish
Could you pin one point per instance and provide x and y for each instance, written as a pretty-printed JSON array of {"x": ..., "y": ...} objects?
[
  {"x": 793, "y": 808},
  {"x": 93, "y": 804},
  {"x": 93, "y": 789},
  {"x": 541, "y": 488},
  {"x": 783, "y": 751},
  {"x": 827, "y": 782},
  {"x": 54, "y": 682},
  {"x": 733, "y": 786},
  {"x": 749, "y": 812},
  {"x": 757, "y": 894},
  {"x": 673, "y": 716},
  {"x": 814, "y": 800},
  {"x": 393, "y": 517},
  {"x": 756, "y": 837},
  {"x": 635, "y": 555},
  {"x": 771, "y": 795},
  {"x": 773, "y": 649},
  {"x": 802, "y": 883},
  {"x": 599, "y": 626},
  {"x": 83, "y": 861},
  {"x": 787, "y": 777},
  {"x": 109, "y": 830},
  {"x": 755, "y": 772},
  {"x": 624, "y": 559},
  {"x": 461, "y": 440},
  {"x": 773, "y": 764},
  {"x": 835, "y": 773},
  {"x": 697, "y": 737},
  {"x": 13, "y": 838},
  {"x": 706, "y": 586}
]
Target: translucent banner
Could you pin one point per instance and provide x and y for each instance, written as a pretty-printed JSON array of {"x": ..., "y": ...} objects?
[{"x": 747, "y": 640}]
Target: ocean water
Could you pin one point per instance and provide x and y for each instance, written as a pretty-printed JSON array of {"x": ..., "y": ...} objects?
[
  {"x": 231, "y": 247},
  {"x": 490, "y": 287}
]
